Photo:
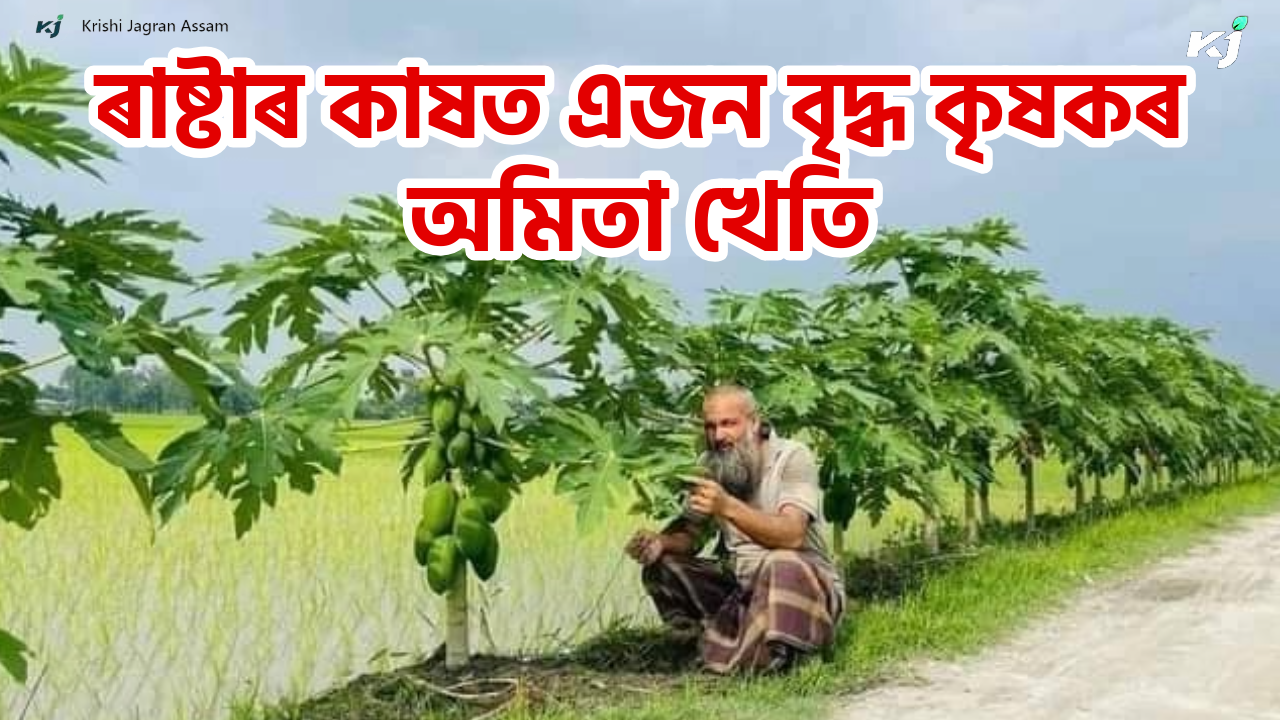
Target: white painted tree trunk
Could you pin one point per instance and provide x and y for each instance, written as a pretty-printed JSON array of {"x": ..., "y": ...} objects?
[
  {"x": 1029, "y": 482},
  {"x": 457, "y": 624},
  {"x": 931, "y": 540},
  {"x": 970, "y": 513}
]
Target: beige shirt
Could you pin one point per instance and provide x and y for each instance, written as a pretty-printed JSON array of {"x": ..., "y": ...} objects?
[{"x": 790, "y": 477}]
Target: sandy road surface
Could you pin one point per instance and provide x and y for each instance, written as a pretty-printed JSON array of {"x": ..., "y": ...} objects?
[{"x": 1197, "y": 636}]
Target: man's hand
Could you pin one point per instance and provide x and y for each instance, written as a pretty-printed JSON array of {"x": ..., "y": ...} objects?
[
  {"x": 646, "y": 547},
  {"x": 708, "y": 498}
]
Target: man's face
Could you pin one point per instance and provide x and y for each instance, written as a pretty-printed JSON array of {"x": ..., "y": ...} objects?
[
  {"x": 732, "y": 444},
  {"x": 726, "y": 422}
]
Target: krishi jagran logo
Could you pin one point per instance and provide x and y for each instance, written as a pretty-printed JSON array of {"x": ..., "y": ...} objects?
[
  {"x": 49, "y": 26},
  {"x": 1198, "y": 42}
]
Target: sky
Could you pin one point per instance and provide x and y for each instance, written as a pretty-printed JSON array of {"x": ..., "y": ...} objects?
[{"x": 1133, "y": 228}]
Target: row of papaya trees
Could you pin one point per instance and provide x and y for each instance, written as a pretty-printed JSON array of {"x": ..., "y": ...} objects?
[{"x": 929, "y": 362}]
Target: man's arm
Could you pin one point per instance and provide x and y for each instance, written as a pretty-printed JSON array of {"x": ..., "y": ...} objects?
[
  {"x": 798, "y": 503},
  {"x": 682, "y": 536},
  {"x": 782, "y": 531}
]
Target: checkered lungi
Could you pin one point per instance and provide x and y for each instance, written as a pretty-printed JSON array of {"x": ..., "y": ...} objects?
[{"x": 788, "y": 601}]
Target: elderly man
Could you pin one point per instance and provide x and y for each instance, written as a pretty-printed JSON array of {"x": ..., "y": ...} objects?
[{"x": 780, "y": 597}]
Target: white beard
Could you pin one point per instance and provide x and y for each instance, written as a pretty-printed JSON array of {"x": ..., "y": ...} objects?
[{"x": 735, "y": 468}]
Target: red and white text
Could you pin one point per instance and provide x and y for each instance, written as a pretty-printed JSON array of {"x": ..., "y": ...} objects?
[
  {"x": 837, "y": 109},
  {"x": 199, "y": 103},
  {"x": 972, "y": 106},
  {"x": 525, "y": 209},
  {"x": 413, "y": 102},
  {"x": 746, "y": 213},
  {"x": 664, "y": 106}
]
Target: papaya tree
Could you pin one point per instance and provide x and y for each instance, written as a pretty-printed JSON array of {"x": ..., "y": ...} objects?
[
  {"x": 1159, "y": 428},
  {"x": 955, "y": 270},
  {"x": 880, "y": 454},
  {"x": 97, "y": 280},
  {"x": 510, "y": 356}
]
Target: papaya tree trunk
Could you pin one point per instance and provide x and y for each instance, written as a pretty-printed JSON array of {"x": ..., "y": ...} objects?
[
  {"x": 1098, "y": 496},
  {"x": 457, "y": 626},
  {"x": 837, "y": 539},
  {"x": 931, "y": 539},
  {"x": 1081, "y": 499},
  {"x": 1028, "y": 468},
  {"x": 984, "y": 501},
  {"x": 970, "y": 513}
]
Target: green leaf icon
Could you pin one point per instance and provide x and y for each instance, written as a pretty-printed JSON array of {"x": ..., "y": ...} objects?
[
  {"x": 59, "y": 17},
  {"x": 1240, "y": 22}
]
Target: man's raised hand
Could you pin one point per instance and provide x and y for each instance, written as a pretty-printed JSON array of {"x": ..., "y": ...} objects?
[{"x": 708, "y": 497}]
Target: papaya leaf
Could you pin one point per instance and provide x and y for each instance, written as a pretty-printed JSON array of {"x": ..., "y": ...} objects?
[
  {"x": 414, "y": 450},
  {"x": 111, "y": 249},
  {"x": 183, "y": 467},
  {"x": 22, "y": 273},
  {"x": 28, "y": 474},
  {"x": 104, "y": 436},
  {"x": 13, "y": 656},
  {"x": 797, "y": 392},
  {"x": 495, "y": 379},
  {"x": 29, "y": 88},
  {"x": 248, "y": 508}
]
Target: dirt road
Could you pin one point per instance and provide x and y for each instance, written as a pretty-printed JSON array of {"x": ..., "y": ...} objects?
[{"x": 1197, "y": 636}]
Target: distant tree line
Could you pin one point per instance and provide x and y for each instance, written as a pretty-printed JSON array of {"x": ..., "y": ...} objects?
[{"x": 154, "y": 389}]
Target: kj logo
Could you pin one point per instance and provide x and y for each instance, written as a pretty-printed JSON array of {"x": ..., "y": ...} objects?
[
  {"x": 49, "y": 26},
  {"x": 1197, "y": 43}
]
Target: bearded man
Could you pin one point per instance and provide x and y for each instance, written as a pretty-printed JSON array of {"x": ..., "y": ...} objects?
[{"x": 779, "y": 597}]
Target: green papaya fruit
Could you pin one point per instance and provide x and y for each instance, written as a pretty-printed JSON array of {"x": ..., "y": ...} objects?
[
  {"x": 434, "y": 463},
  {"x": 444, "y": 413},
  {"x": 422, "y": 541},
  {"x": 484, "y": 426},
  {"x": 444, "y": 562},
  {"x": 471, "y": 528},
  {"x": 493, "y": 496},
  {"x": 439, "y": 506},
  {"x": 487, "y": 562},
  {"x": 839, "y": 503},
  {"x": 465, "y": 422},
  {"x": 458, "y": 449},
  {"x": 479, "y": 450}
]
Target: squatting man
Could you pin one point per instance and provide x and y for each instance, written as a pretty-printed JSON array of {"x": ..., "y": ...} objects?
[{"x": 779, "y": 597}]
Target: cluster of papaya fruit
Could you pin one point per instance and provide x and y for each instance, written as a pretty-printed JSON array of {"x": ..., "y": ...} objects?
[
  {"x": 469, "y": 485},
  {"x": 839, "y": 501}
]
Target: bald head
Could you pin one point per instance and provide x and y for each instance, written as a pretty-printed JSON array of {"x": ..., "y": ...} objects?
[{"x": 735, "y": 395}]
